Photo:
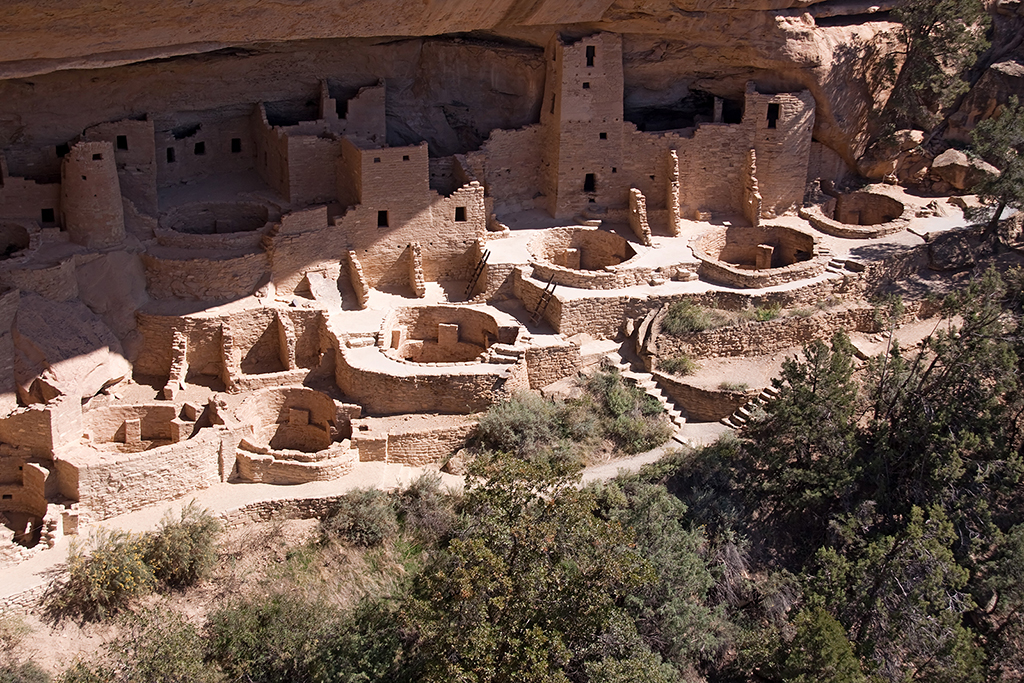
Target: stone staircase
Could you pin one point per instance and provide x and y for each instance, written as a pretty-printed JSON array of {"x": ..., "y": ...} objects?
[
  {"x": 646, "y": 382},
  {"x": 840, "y": 266},
  {"x": 743, "y": 413}
]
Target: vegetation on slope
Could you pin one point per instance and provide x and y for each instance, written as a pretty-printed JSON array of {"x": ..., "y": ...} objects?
[{"x": 866, "y": 527}]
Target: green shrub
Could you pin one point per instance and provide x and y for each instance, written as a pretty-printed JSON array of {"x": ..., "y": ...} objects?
[
  {"x": 762, "y": 313},
  {"x": 684, "y": 317},
  {"x": 156, "y": 644},
  {"x": 678, "y": 365},
  {"x": 525, "y": 425},
  {"x": 734, "y": 386},
  {"x": 364, "y": 517},
  {"x": 23, "y": 672},
  {"x": 632, "y": 418},
  {"x": 426, "y": 509},
  {"x": 182, "y": 552},
  {"x": 271, "y": 639},
  {"x": 104, "y": 575}
]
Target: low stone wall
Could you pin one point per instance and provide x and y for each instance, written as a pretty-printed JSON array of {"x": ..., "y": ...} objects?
[
  {"x": 700, "y": 404},
  {"x": 182, "y": 276},
  {"x": 108, "y": 483},
  {"x": 758, "y": 338},
  {"x": 724, "y": 274},
  {"x": 56, "y": 282},
  {"x": 268, "y": 469},
  {"x": 106, "y": 424},
  {"x": 816, "y": 217},
  {"x": 414, "y": 447},
  {"x": 547, "y": 364},
  {"x": 612, "y": 277}
]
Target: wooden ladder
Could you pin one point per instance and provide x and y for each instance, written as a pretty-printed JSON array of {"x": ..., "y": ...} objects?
[
  {"x": 477, "y": 272},
  {"x": 542, "y": 303}
]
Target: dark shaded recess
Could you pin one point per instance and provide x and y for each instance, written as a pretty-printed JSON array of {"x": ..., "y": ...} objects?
[
  {"x": 290, "y": 112},
  {"x": 852, "y": 19},
  {"x": 186, "y": 131},
  {"x": 697, "y": 107}
]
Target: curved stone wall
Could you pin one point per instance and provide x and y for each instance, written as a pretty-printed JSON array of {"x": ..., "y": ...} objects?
[
  {"x": 586, "y": 258},
  {"x": 859, "y": 215},
  {"x": 754, "y": 257}
]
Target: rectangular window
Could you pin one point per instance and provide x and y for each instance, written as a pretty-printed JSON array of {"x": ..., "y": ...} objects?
[
  {"x": 405, "y": 157},
  {"x": 8, "y": 496},
  {"x": 590, "y": 183},
  {"x": 382, "y": 219},
  {"x": 122, "y": 142},
  {"x": 460, "y": 214},
  {"x": 47, "y": 216},
  {"x": 200, "y": 149},
  {"x": 773, "y": 115},
  {"x": 97, "y": 157},
  {"x": 376, "y": 160},
  {"x": 603, "y": 136},
  {"x": 236, "y": 145},
  {"x": 62, "y": 150},
  {"x": 591, "y": 51},
  {"x": 170, "y": 155},
  {"x": 586, "y": 86}
]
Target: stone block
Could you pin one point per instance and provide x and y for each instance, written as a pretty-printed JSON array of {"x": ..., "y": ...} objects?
[
  {"x": 133, "y": 431},
  {"x": 298, "y": 417},
  {"x": 447, "y": 334},
  {"x": 190, "y": 411},
  {"x": 181, "y": 430}
]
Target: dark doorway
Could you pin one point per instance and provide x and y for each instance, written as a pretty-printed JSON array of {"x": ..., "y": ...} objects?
[
  {"x": 773, "y": 115},
  {"x": 590, "y": 183},
  {"x": 382, "y": 219}
]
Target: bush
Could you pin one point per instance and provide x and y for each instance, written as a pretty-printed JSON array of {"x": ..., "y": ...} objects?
[
  {"x": 632, "y": 417},
  {"x": 157, "y": 645},
  {"x": 524, "y": 425},
  {"x": 679, "y": 365},
  {"x": 762, "y": 313},
  {"x": 427, "y": 510},
  {"x": 364, "y": 517},
  {"x": 104, "y": 575},
  {"x": 23, "y": 672},
  {"x": 734, "y": 386},
  {"x": 182, "y": 551},
  {"x": 271, "y": 639},
  {"x": 684, "y": 317}
]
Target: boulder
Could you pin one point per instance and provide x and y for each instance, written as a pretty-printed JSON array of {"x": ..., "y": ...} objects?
[
  {"x": 882, "y": 157},
  {"x": 63, "y": 349},
  {"x": 961, "y": 171},
  {"x": 950, "y": 252}
]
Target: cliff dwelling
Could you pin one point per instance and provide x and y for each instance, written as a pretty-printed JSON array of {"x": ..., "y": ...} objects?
[{"x": 345, "y": 255}]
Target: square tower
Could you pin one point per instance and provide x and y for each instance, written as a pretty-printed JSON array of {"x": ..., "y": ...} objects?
[{"x": 582, "y": 117}]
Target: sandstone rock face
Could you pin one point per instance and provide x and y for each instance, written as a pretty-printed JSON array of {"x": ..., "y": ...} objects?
[
  {"x": 63, "y": 349},
  {"x": 961, "y": 171},
  {"x": 672, "y": 47},
  {"x": 883, "y": 157}
]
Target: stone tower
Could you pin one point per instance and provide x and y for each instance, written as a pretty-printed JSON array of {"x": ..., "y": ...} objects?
[
  {"x": 582, "y": 116},
  {"x": 91, "y": 208}
]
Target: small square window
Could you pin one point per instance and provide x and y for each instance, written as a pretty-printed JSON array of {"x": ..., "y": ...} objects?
[
  {"x": 460, "y": 214},
  {"x": 47, "y": 215},
  {"x": 405, "y": 157},
  {"x": 382, "y": 219},
  {"x": 586, "y": 86},
  {"x": 200, "y": 149},
  {"x": 376, "y": 160},
  {"x": 97, "y": 157},
  {"x": 236, "y": 145},
  {"x": 603, "y": 136},
  {"x": 62, "y": 150},
  {"x": 614, "y": 170},
  {"x": 170, "y": 155},
  {"x": 122, "y": 142}
]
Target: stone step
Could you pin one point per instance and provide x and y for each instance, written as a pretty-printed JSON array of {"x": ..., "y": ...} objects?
[{"x": 727, "y": 421}]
